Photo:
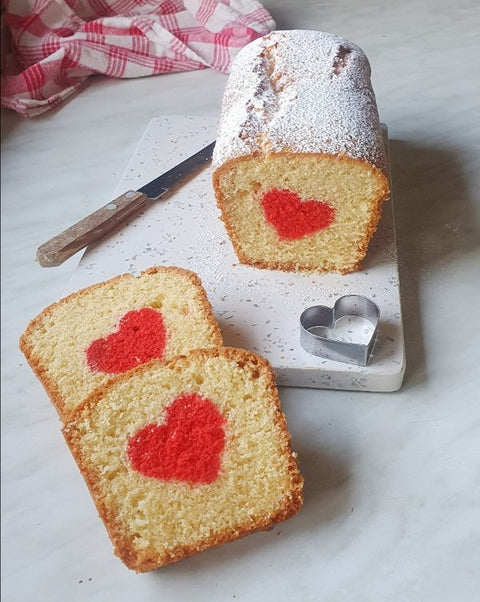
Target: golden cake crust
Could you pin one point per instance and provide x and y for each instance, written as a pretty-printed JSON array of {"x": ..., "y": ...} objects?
[{"x": 149, "y": 558}]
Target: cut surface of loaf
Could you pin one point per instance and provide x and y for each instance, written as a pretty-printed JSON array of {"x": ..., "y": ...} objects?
[
  {"x": 186, "y": 455},
  {"x": 85, "y": 339},
  {"x": 299, "y": 163}
]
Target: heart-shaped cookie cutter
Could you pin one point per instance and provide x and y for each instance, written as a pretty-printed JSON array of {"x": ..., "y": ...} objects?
[{"x": 321, "y": 317}]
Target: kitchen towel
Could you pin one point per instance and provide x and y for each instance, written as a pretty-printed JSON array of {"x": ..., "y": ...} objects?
[{"x": 58, "y": 44}]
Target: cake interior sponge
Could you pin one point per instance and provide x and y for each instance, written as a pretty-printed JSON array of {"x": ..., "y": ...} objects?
[
  {"x": 79, "y": 343},
  {"x": 186, "y": 455}
]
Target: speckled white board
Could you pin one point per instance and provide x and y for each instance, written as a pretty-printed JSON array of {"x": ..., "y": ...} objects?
[{"x": 257, "y": 309}]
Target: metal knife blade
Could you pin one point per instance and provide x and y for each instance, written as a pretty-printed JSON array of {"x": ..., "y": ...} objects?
[{"x": 99, "y": 223}]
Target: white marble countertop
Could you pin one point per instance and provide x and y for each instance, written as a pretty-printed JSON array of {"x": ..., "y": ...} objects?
[{"x": 392, "y": 494}]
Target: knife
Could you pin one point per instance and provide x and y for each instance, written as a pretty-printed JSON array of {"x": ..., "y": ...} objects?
[{"x": 96, "y": 225}]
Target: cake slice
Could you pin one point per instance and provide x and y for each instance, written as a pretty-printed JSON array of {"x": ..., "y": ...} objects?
[
  {"x": 79, "y": 343},
  {"x": 299, "y": 162},
  {"x": 186, "y": 455}
]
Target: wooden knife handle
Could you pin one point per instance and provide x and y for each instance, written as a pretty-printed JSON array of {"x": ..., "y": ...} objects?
[{"x": 90, "y": 229}]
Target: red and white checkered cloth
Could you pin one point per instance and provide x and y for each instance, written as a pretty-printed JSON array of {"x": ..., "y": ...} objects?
[{"x": 59, "y": 43}]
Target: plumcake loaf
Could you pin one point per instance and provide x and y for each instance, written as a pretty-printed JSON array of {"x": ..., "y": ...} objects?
[
  {"x": 299, "y": 163},
  {"x": 185, "y": 455},
  {"x": 85, "y": 339}
]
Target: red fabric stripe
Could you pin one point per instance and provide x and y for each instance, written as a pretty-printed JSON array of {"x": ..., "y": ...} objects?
[
  {"x": 34, "y": 78},
  {"x": 59, "y": 43},
  {"x": 206, "y": 10}
]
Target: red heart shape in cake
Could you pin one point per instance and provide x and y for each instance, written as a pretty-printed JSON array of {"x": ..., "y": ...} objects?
[
  {"x": 187, "y": 447},
  {"x": 140, "y": 337},
  {"x": 293, "y": 218}
]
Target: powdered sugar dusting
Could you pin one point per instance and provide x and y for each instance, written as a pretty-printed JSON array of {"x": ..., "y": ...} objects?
[
  {"x": 257, "y": 309},
  {"x": 300, "y": 91}
]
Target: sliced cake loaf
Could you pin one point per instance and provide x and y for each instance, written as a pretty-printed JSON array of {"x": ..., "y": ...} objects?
[
  {"x": 85, "y": 339},
  {"x": 185, "y": 455},
  {"x": 299, "y": 163}
]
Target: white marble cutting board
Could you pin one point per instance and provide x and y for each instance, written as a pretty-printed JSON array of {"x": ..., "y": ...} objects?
[{"x": 257, "y": 309}]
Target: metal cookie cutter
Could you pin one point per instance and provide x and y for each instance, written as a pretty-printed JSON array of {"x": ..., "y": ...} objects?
[{"x": 315, "y": 320}]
